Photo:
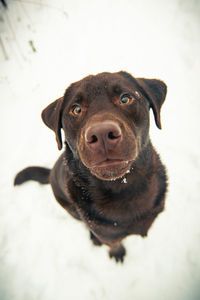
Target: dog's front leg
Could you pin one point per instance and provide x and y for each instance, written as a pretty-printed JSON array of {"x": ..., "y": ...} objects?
[{"x": 118, "y": 252}]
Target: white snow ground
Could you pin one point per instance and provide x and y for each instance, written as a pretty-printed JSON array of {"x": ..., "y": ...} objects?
[{"x": 46, "y": 45}]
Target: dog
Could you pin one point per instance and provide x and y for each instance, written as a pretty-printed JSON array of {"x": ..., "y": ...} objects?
[{"x": 109, "y": 176}]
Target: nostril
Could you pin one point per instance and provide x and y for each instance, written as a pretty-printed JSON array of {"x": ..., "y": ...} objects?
[
  {"x": 112, "y": 135},
  {"x": 93, "y": 139},
  {"x": 90, "y": 136}
]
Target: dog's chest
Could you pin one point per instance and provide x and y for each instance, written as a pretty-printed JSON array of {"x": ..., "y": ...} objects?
[
  {"x": 121, "y": 207},
  {"x": 113, "y": 216}
]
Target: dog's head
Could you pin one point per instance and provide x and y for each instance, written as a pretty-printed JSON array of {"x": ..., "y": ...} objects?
[{"x": 105, "y": 119}]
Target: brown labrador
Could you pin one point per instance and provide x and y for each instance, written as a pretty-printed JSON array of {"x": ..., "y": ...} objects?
[{"x": 109, "y": 176}]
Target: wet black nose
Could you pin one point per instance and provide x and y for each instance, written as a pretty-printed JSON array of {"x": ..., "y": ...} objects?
[{"x": 103, "y": 136}]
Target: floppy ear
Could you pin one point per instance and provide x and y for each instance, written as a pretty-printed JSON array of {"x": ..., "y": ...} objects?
[
  {"x": 51, "y": 116},
  {"x": 155, "y": 91}
]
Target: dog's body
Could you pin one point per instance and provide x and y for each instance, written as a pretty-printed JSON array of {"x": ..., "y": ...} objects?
[{"x": 109, "y": 176}]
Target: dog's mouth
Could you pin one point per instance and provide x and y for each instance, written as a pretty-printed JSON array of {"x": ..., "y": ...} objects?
[{"x": 110, "y": 169}]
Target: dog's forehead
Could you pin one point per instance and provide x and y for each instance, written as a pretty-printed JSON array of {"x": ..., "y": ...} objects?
[{"x": 95, "y": 85}]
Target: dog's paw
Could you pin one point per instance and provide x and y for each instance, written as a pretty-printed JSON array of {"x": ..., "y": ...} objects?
[
  {"x": 118, "y": 253},
  {"x": 95, "y": 240}
]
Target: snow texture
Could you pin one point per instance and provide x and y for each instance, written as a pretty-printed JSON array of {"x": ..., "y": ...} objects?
[
  {"x": 44, "y": 46},
  {"x": 124, "y": 180}
]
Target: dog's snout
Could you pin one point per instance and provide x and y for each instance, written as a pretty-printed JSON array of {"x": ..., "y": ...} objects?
[{"x": 104, "y": 134}]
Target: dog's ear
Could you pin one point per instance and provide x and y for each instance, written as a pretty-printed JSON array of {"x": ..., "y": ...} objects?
[
  {"x": 51, "y": 116},
  {"x": 155, "y": 92}
]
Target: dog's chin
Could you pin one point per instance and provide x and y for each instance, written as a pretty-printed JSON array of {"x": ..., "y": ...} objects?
[{"x": 111, "y": 169}]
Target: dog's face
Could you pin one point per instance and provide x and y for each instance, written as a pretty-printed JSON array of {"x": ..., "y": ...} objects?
[{"x": 105, "y": 119}]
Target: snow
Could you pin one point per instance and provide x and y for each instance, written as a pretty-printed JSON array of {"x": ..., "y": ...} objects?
[
  {"x": 124, "y": 180},
  {"x": 46, "y": 45}
]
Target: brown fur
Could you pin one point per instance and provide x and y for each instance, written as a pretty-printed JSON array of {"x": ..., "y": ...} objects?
[{"x": 109, "y": 176}]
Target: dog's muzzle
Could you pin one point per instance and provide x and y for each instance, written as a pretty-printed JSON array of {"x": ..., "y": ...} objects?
[{"x": 107, "y": 148}]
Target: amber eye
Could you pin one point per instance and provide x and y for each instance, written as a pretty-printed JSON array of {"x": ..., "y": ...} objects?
[
  {"x": 76, "y": 110},
  {"x": 125, "y": 99}
]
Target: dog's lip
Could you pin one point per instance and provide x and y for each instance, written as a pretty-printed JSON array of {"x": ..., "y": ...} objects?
[
  {"x": 111, "y": 169},
  {"x": 110, "y": 163}
]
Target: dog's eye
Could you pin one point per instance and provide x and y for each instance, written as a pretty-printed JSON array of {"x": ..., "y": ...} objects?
[
  {"x": 125, "y": 99},
  {"x": 76, "y": 110}
]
